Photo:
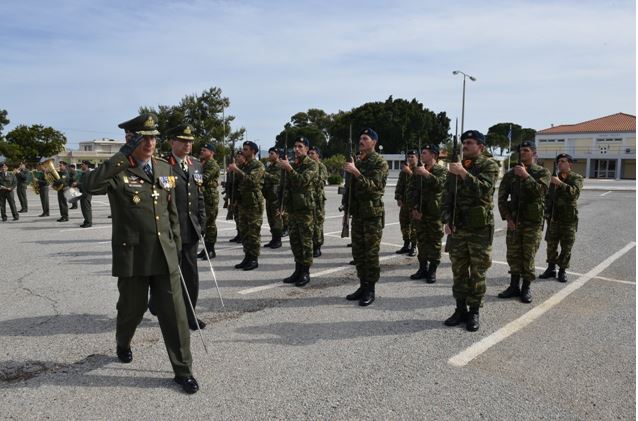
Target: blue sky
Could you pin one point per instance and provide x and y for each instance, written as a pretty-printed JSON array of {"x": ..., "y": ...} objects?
[{"x": 82, "y": 67}]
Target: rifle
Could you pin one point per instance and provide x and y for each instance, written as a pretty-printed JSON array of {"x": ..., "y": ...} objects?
[
  {"x": 420, "y": 164},
  {"x": 282, "y": 187},
  {"x": 518, "y": 198},
  {"x": 553, "y": 199},
  {"x": 345, "y": 229},
  {"x": 454, "y": 158},
  {"x": 230, "y": 179}
]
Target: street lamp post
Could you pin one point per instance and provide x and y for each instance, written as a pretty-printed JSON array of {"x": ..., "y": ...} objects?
[{"x": 473, "y": 79}]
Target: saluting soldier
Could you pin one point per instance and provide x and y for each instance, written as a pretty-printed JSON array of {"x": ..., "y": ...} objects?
[
  {"x": 273, "y": 196},
  {"x": 250, "y": 180},
  {"x": 320, "y": 201},
  {"x": 23, "y": 176},
  {"x": 403, "y": 195},
  {"x": 146, "y": 242},
  {"x": 428, "y": 184},
  {"x": 521, "y": 202},
  {"x": 43, "y": 186},
  {"x": 468, "y": 215},
  {"x": 561, "y": 210},
  {"x": 189, "y": 200},
  {"x": 369, "y": 175},
  {"x": 300, "y": 203},
  {"x": 8, "y": 183},
  {"x": 85, "y": 199},
  {"x": 66, "y": 180},
  {"x": 210, "y": 168}
]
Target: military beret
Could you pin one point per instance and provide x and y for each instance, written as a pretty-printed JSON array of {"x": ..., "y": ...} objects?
[
  {"x": 64, "y": 163},
  {"x": 473, "y": 134},
  {"x": 252, "y": 145},
  {"x": 181, "y": 132},
  {"x": 303, "y": 140},
  {"x": 273, "y": 149},
  {"x": 85, "y": 162},
  {"x": 565, "y": 156},
  {"x": 411, "y": 152},
  {"x": 370, "y": 133},
  {"x": 144, "y": 124},
  {"x": 432, "y": 148},
  {"x": 316, "y": 149},
  {"x": 527, "y": 144},
  {"x": 209, "y": 146}
]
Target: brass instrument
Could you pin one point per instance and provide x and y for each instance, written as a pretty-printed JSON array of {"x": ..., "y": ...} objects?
[
  {"x": 51, "y": 174},
  {"x": 34, "y": 183}
]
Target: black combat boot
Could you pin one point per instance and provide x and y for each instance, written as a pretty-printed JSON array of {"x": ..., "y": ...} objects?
[
  {"x": 459, "y": 316},
  {"x": 405, "y": 248},
  {"x": 526, "y": 294},
  {"x": 293, "y": 278},
  {"x": 235, "y": 239},
  {"x": 242, "y": 264},
  {"x": 412, "y": 251},
  {"x": 430, "y": 276},
  {"x": 316, "y": 251},
  {"x": 421, "y": 273},
  {"x": 125, "y": 355},
  {"x": 275, "y": 243},
  {"x": 562, "y": 277},
  {"x": 202, "y": 254},
  {"x": 355, "y": 296},
  {"x": 211, "y": 251},
  {"x": 550, "y": 272},
  {"x": 252, "y": 263},
  {"x": 304, "y": 276},
  {"x": 472, "y": 324},
  {"x": 367, "y": 296},
  {"x": 513, "y": 290}
]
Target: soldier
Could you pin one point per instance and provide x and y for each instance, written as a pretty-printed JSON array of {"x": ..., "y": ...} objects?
[
  {"x": 427, "y": 199},
  {"x": 468, "y": 217},
  {"x": 562, "y": 217},
  {"x": 43, "y": 186},
  {"x": 23, "y": 176},
  {"x": 299, "y": 199},
  {"x": 146, "y": 243},
  {"x": 521, "y": 197},
  {"x": 320, "y": 201},
  {"x": 73, "y": 172},
  {"x": 8, "y": 183},
  {"x": 210, "y": 169},
  {"x": 233, "y": 195},
  {"x": 272, "y": 194},
  {"x": 85, "y": 199},
  {"x": 250, "y": 179},
  {"x": 66, "y": 179},
  {"x": 189, "y": 200},
  {"x": 369, "y": 175},
  {"x": 403, "y": 195}
]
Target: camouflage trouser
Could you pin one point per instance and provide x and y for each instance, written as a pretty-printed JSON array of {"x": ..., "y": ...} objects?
[
  {"x": 565, "y": 235},
  {"x": 428, "y": 238},
  {"x": 237, "y": 217},
  {"x": 275, "y": 221},
  {"x": 408, "y": 229},
  {"x": 211, "y": 204},
  {"x": 300, "y": 231},
  {"x": 471, "y": 256},
  {"x": 284, "y": 221},
  {"x": 522, "y": 246},
  {"x": 366, "y": 240},
  {"x": 249, "y": 225},
  {"x": 320, "y": 217}
]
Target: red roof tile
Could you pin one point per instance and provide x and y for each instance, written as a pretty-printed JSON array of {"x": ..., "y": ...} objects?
[{"x": 615, "y": 123}]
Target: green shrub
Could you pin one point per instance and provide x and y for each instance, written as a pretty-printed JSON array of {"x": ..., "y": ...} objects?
[{"x": 335, "y": 179}]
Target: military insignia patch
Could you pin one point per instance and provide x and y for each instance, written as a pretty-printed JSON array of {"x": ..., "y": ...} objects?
[
  {"x": 166, "y": 182},
  {"x": 136, "y": 198},
  {"x": 149, "y": 123},
  {"x": 197, "y": 177}
]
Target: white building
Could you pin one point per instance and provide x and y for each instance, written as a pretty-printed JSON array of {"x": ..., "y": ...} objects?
[{"x": 96, "y": 151}]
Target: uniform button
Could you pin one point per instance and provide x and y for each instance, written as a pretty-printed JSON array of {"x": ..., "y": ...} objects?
[
  {"x": 155, "y": 201},
  {"x": 124, "y": 244},
  {"x": 189, "y": 193},
  {"x": 189, "y": 203},
  {"x": 159, "y": 233},
  {"x": 157, "y": 217}
]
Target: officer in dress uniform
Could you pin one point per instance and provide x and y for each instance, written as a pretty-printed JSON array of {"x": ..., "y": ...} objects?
[
  {"x": 146, "y": 242},
  {"x": 66, "y": 180},
  {"x": 43, "y": 186},
  {"x": 8, "y": 184},
  {"x": 23, "y": 176},
  {"x": 85, "y": 199}
]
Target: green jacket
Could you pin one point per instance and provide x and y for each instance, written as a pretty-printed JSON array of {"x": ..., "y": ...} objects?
[
  {"x": 427, "y": 193},
  {"x": 272, "y": 180},
  {"x": 300, "y": 186},
  {"x": 320, "y": 183},
  {"x": 8, "y": 180},
  {"x": 523, "y": 200},
  {"x": 403, "y": 189},
  {"x": 249, "y": 184},
  {"x": 210, "y": 170},
  {"x": 368, "y": 188},
  {"x": 145, "y": 237},
  {"x": 561, "y": 203}
]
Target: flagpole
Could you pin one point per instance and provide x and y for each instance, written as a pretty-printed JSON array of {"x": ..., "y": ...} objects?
[{"x": 509, "y": 135}]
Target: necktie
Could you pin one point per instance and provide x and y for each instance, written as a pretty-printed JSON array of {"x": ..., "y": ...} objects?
[
  {"x": 148, "y": 170},
  {"x": 185, "y": 167}
]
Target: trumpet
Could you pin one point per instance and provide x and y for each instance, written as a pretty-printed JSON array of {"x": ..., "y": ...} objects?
[{"x": 51, "y": 174}]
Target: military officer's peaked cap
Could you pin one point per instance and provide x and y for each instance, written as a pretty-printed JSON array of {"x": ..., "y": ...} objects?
[
  {"x": 303, "y": 140},
  {"x": 432, "y": 148},
  {"x": 473, "y": 134},
  {"x": 144, "y": 124},
  {"x": 411, "y": 152},
  {"x": 209, "y": 146},
  {"x": 181, "y": 132},
  {"x": 370, "y": 133},
  {"x": 252, "y": 145},
  {"x": 527, "y": 144},
  {"x": 566, "y": 156}
]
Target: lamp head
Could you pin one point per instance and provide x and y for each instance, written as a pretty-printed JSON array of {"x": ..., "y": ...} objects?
[
  {"x": 455, "y": 72},
  {"x": 472, "y": 78}
]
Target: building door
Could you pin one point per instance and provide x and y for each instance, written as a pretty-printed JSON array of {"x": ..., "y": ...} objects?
[{"x": 604, "y": 168}]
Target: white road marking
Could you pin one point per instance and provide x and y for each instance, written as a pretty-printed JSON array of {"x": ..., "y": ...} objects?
[
  {"x": 464, "y": 357},
  {"x": 602, "y": 278},
  {"x": 606, "y": 193}
]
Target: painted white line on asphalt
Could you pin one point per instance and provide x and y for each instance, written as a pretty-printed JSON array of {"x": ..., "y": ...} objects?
[
  {"x": 85, "y": 229},
  {"x": 606, "y": 193},
  {"x": 464, "y": 357},
  {"x": 602, "y": 278}
]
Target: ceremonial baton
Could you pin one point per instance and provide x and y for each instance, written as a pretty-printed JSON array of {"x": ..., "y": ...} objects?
[
  {"x": 210, "y": 264},
  {"x": 190, "y": 303}
]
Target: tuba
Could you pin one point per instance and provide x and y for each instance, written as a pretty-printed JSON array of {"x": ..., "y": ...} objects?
[
  {"x": 51, "y": 174},
  {"x": 34, "y": 183}
]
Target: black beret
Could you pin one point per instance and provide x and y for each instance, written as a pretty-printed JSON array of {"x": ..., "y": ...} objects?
[
  {"x": 370, "y": 133},
  {"x": 209, "y": 146},
  {"x": 252, "y": 145},
  {"x": 85, "y": 162},
  {"x": 144, "y": 124},
  {"x": 527, "y": 144},
  {"x": 303, "y": 140},
  {"x": 432, "y": 148},
  {"x": 181, "y": 132},
  {"x": 64, "y": 163},
  {"x": 273, "y": 149},
  {"x": 411, "y": 152},
  {"x": 566, "y": 156},
  {"x": 316, "y": 149},
  {"x": 473, "y": 134}
]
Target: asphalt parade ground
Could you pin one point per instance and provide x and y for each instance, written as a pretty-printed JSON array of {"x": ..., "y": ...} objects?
[{"x": 276, "y": 351}]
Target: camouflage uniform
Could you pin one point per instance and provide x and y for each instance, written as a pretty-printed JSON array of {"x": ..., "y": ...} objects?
[
  {"x": 403, "y": 192},
  {"x": 210, "y": 171},
  {"x": 522, "y": 201},
  {"x": 251, "y": 203},
  {"x": 272, "y": 180},
  {"x": 470, "y": 247},
  {"x": 320, "y": 205},
  {"x": 561, "y": 207}
]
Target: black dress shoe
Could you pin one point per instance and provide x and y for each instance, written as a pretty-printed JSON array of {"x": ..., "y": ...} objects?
[
  {"x": 41, "y": 215},
  {"x": 4, "y": 219},
  {"x": 202, "y": 254},
  {"x": 125, "y": 355},
  {"x": 16, "y": 218},
  {"x": 63, "y": 219},
  {"x": 251, "y": 264},
  {"x": 351, "y": 262},
  {"x": 86, "y": 225},
  {"x": 317, "y": 252},
  {"x": 189, "y": 384},
  {"x": 193, "y": 326}
]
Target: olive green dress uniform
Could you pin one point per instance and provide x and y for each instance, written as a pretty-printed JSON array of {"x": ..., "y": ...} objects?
[
  {"x": 85, "y": 199},
  {"x": 251, "y": 202},
  {"x": 211, "y": 170},
  {"x": 23, "y": 177},
  {"x": 8, "y": 183},
  {"x": 44, "y": 192},
  {"x": 403, "y": 193},
  {"x": 271, "y": 192},
  {"x": 67, "y": 177},
  {"x": 320, "y": 205},
  {"x": 146, "y": 242}
]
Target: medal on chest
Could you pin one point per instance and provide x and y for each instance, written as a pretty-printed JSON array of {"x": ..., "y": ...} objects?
[{"x": 136, "y": 198}]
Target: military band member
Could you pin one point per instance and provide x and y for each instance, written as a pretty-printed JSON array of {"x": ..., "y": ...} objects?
[
  {"x": 146, "y": 242},
  {"x": 250, "y": 179},
  {"x": 189, "y": 200},
  {"x": 73, "y": 170},
  {"x": 521, "y": 202},
  {"x": 8, "y": 183},
  {"x": 300, "y": 203},
  {"x": 66, "y": 180},
  {"x": 43, "y": 186},
  {"x": 272, "y": 195},
  {"x": 428, "y": 183},
  {"x": 320, "y": 201},
  {"x": 468, "y": 216},
  {"x": 23, "y": 176},
  {"x": 369, "y": 174},
  {"x": 85, "y": 199},
  {"x": 561, "y": 212},
  {"x": 210, "y": 168},
  {"x": 403, "y": 195}
]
